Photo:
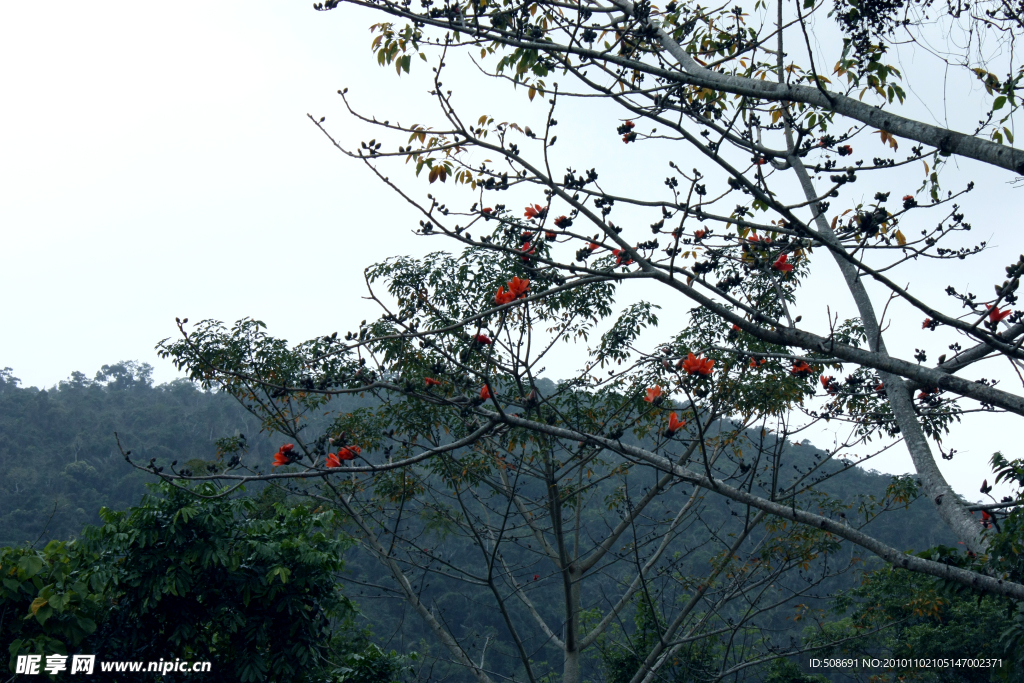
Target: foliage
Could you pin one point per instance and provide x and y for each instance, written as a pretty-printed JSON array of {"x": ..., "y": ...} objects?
[
  {"x": 368, "y": 664},
  {"x": 59, "y": 458},
  {"x": 214, "y": 583},
  {"x": 786, "y": 671},
  {"x": 51, "y": 600},
  {"x": 907, "y": 617},
  {"x": 621, "y": 657},
  {"x": 187, "y": 575}
]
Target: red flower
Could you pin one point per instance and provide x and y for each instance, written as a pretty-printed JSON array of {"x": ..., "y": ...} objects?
[
  {"x": 516, "y": 290},
  {"x": 845, "y": 150},
  {"x": 653, "y": 394},
  {"x": 626, "y": 131},
  {"x": 697, "y": 366},
  {"x": 349, "y": 452},
  {"x": 699, "y": 235},
  {"x": 781, "y": 265},
  {"x": 735, "y": 328},
  {"x": 880, "y": 387},
  {"x": 431, "y": 382},
  {"x": 482, "y": 339},
  {"x": 528, "y": 251},
  {"x": 761, "y": 161},
  {"x": 801, "y": 369},
  {"x": 518, "y": 287},
  {"x": 487, "y": 210},
  {"x": 826, "y": 380},
  {"x": 908, "y": 197},
  {"x": 755, "y": 363},
  {"x": 926, "y": 324},
  {"x": 563, "y": 222},
  {"x": 593, "y": 246},
  {"x": 621, "y": 257},
  {"x": 485, "y": 393},
  {"x": 536, "y": 576},
  {"x": 344, "y": 453},
  {"x": 550, "y": 235},
  {"x": 536, "y": 211},
  {"x": 674, "y": 424},
  {"x": 526, "y": 236},
  {"x": 283, "y": 455},
  {"x": 995, "y": 315}
]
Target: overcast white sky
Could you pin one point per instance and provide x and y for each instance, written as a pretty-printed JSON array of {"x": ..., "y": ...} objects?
[{"x": 156, "y": 161}]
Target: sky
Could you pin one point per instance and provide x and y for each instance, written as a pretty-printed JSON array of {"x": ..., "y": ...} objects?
[{"x": 156, "y": 161}]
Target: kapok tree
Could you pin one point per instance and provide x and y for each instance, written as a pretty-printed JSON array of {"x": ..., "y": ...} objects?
[{"x": 591, "y": 503}]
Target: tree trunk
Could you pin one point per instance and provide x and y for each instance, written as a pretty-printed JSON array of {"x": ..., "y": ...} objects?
[
  {"x": 571, "y": 668},
  {"x": 942, "y": 497}
]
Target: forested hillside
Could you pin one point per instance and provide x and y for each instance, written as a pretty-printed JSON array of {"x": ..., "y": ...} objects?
[
  {"x": 60, "y": 462},
  {"x": 59, "y": 458}
]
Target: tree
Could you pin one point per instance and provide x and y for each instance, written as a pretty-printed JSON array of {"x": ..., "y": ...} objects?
[
  {"x": 192, "y": 575},
  {"x": 903, "y": 617},
  {"x": 122, "y": 376},
  {"x": 576, "y": 496},
  {"x": 59, "y": 461},
  {"x": 8, "y": 381}
]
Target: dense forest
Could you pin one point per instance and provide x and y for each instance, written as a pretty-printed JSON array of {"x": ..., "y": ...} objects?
[
  {"x": 60, "y": 459},
  {"x": 61, "y": 463}
]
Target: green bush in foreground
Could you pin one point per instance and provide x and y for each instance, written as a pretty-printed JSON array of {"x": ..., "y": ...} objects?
[{"x": 250, "y": 588}]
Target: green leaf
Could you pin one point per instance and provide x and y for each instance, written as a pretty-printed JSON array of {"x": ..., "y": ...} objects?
[
  {"x": 88, "y": 626},
  {"x": 58, "y": 602},
  {"x": 283, "y": 572},
  {"x": 43, "y": 614},
  {"x": 30, "y": 564}
]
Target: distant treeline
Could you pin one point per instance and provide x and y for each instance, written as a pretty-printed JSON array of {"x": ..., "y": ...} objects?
[
  {"x": 59, "y": 457},
  {"x": 60, "y": 461}
]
